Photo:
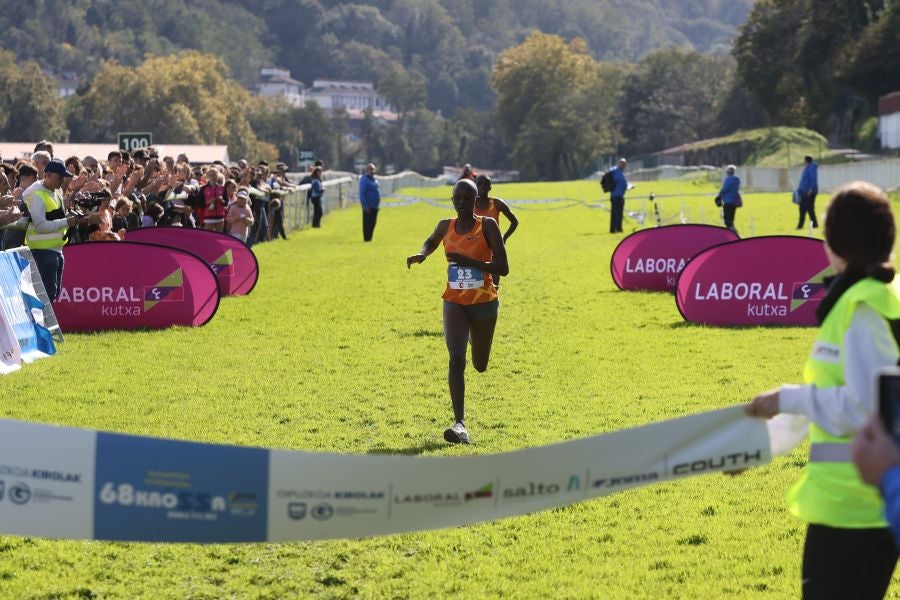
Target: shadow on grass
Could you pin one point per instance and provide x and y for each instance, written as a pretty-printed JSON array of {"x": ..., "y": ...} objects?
[
  {"x": 692, "y": 325},
  {"x": 424, "y": 333},
  {"x": 410, "y": 450}
]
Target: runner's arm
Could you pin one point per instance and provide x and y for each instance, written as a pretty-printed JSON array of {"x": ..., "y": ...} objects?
[
  {"x": 503, "y": 207},
  {"x": 430, "y": 244}
]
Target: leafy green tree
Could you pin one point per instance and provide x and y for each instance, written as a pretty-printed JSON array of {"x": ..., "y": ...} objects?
[
  {"x": 550, "y": 107},
  {"x": 404, "y": 90},
  {"x": 790, "y": 54},
  {"x": 673, "y": 97},
  {"x": 872, "y": 65},
  {"x": 30, "y": 107},
  {"x": 316, "y": 130},
  {"x": 187, "y": 99},
  {"x": 373, "y": 138}
]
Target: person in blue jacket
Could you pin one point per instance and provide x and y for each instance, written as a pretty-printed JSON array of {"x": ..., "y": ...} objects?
[
  {"x": 807, "y": 192},
  {"x": 731, "y": 197},
  {"x": 617, "y": 197},
  {"x": 877, "y": 458},
  {"x": 369, "y": 198}
]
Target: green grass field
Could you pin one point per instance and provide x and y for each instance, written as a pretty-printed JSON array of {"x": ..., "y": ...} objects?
[{"x": 340, "y": 349}]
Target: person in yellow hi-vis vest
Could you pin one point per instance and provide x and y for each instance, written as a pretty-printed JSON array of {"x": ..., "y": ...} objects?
[
  {"x": 849, "y": 551},
  {"x": 45, "y": 236}
]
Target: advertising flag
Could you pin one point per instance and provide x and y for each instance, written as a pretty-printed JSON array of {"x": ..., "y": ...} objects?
[
  {"x": 770, "y": 280},
  {"x": 651, "y": 259},
  {"x": 230, "y": 259},
  {"x": 130, "y": 285}
]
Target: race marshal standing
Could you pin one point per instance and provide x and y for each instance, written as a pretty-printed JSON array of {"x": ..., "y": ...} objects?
[{"x": 370, "y": 198}]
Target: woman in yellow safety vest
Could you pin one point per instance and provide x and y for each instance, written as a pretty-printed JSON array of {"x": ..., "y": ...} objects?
[{"x": 849, "y": 551}]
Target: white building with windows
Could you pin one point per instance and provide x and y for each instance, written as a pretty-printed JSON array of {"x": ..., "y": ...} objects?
[
  {"x": 332, "y": 94},
  {"x": 277, "y": 83},
  {"x": 889, "y": 121}
]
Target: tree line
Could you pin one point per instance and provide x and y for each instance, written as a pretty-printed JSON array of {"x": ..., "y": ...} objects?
[{"x": 469, "y": 82}]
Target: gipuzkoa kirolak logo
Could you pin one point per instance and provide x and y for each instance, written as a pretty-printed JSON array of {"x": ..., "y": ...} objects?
[
  {"x": 772, "y": 280},
  {"x": 651, "y": 259},
  {"x": 129, "y": 285}
]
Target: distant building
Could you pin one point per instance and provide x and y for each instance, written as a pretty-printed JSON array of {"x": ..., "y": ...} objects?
[
  {"x": 332, "y": 94},
  {"x": 277, "y": 83},
  {"x": 356, "y": 118},
  {"x": 66, "y": 82},
  {"x": 889, "y": 121}
]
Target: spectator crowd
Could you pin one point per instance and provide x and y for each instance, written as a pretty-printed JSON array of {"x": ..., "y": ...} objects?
[{"x": 127, "y": 191}]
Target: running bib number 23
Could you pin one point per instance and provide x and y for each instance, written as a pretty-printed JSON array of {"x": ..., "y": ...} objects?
[{"x": 464, "y": 278}]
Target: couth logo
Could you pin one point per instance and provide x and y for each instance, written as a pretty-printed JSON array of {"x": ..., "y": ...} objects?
[{"x": 726, "y": 461}]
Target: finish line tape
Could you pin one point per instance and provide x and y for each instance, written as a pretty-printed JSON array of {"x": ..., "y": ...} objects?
[{"x": 60, "y": 482}]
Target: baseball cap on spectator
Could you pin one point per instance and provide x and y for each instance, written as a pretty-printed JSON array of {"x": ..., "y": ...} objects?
[
  {"x": 140, "y": 154},
  {"x": 57, "y": 166},
  {"x": 243, "y": 194},
  {"x": 281, "y": 167}
]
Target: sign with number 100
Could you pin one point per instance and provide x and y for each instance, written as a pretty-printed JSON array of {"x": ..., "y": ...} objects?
[{"x": 132, "y": 141}]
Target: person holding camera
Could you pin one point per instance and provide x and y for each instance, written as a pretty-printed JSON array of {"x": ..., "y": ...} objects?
[
  {"x": 48, "y": 224},
  {"x": 849, "y": 551}
]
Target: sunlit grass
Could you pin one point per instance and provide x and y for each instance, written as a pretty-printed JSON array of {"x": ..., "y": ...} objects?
[{"x": 339, "y": 348}]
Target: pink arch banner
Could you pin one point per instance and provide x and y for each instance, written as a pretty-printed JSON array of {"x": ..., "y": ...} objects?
[
  {"x": 651, "y": 259},
  {"x": 129, "y": 285},
  {"x": 770, "y": 280},
  {"x": 232, "y": 261}
]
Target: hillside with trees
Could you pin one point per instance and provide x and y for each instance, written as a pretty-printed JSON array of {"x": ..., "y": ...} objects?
[
  {"x": 548, "y": 89},
  {"x": 448, "y": 46}
]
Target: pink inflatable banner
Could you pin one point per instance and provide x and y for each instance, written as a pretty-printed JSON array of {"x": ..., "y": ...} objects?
[
  {"x": 774, "y": 280},
  {"x": 651, "y": 259},
  {"x": 129, "y": 285},
  {"x": 232, "y": 261}
]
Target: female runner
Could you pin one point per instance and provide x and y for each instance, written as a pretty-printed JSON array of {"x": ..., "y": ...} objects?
[{"x": 475, "y": 253}]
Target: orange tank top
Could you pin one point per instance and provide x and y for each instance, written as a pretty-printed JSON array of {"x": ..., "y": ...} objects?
[
  {"x": 491, "y": 211},
  {"x": 466, "y": 285}
]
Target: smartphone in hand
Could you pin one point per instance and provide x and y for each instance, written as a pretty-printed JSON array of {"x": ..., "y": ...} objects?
[{"x": 889, "y": 400}]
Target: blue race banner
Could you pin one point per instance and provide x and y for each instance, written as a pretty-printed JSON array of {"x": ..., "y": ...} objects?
[{"x": 171, "y": 491}]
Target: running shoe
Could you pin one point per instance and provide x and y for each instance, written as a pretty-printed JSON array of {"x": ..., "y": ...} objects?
[{"x": 457, "y": 434}]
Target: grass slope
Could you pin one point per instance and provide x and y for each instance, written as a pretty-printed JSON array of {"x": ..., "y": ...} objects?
[{"x": 339, "y": 348}]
